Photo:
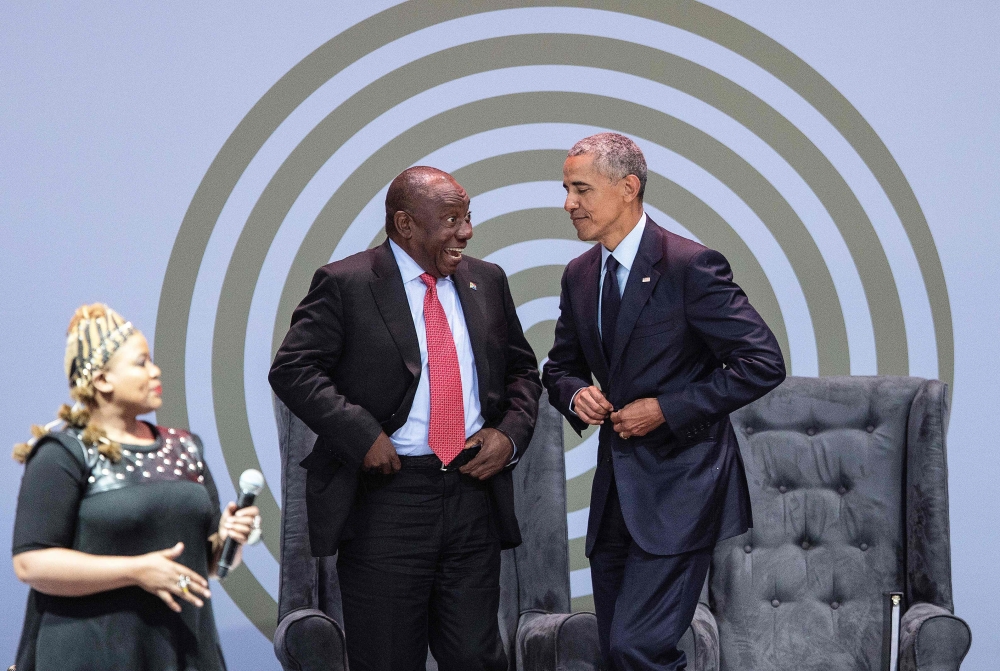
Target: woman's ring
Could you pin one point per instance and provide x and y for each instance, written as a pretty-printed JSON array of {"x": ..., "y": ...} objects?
[
  {"x": 183, "y": 581},
  {"x": 622, "y": 434}
]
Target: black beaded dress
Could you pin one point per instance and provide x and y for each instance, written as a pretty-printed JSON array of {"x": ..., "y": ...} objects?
[{"x": 156, "y": 495}]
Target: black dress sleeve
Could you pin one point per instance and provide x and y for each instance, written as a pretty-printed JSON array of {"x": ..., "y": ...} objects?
[
  {"x": 213, "y": 492},
  {"x": 49, "y": 499}
]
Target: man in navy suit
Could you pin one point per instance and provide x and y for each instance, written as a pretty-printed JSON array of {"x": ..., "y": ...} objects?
[{"x": 675, "y": 346}]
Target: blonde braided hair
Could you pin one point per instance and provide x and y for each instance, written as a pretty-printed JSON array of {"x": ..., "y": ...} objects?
[{"x": 95, "y": 333}]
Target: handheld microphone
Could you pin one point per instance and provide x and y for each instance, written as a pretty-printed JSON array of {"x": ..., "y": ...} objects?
[{"x": 251, "y": 484}]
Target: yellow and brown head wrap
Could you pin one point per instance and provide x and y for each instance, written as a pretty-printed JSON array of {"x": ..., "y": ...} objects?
[{"x": 95, "y": 333}]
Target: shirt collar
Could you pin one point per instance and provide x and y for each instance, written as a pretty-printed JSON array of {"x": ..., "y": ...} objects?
[
  {"x": 629, "y": 246},
  {"x": 408, "y": 268}
]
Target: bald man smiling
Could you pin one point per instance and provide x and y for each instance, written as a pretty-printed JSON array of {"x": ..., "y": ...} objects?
[{"x": 409, "y": 363}]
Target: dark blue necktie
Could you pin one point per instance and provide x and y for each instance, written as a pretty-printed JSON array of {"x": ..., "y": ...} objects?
[{"x": 611, "y": 302}]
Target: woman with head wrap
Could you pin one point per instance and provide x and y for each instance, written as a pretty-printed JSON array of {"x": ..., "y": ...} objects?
[{"x": 118, "y": 525}]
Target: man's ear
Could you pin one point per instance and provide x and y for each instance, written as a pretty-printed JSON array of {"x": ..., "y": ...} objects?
[
  {"x": 403, "y": 223},
  {"x": 630, "y": 188},
  {"x": 101, "y": 384}
]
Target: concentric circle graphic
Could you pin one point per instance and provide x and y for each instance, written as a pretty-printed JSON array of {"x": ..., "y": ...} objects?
[{"x": 750, "y": 152}]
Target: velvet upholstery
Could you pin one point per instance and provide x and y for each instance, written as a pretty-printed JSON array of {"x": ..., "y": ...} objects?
[
  {"x": 701, "y": 641},
  {"x": 932, "y": 639},
  {"x": 558, "y": 642},
  {"x": 848, "y": 479},
  {"x": 309, "y": 639},
  {"x": 534, "y": 577}
]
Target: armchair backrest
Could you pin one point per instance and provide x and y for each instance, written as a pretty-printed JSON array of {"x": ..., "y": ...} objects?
[
  {"x": 848, "y": 481},
  {"x": 306, "y": 581},
  {"x": 535, "y": 574}
]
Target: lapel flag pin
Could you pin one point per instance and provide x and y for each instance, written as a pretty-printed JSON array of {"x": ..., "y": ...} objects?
[
  {"x": 645, "y": 279},
  {"x": 472, "y": 285}
]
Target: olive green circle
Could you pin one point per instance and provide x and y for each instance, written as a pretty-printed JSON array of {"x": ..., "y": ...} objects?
[
  {"x": 302, "y": 80},
  {"x": 490, "y": 113}
]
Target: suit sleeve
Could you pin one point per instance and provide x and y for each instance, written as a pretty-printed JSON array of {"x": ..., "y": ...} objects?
[
  {"x": 566, "y": 371},
  {"x": 522, "y": 387},
  {"x": 718, "y": 311},
  {"x": 300, "y": 375}
]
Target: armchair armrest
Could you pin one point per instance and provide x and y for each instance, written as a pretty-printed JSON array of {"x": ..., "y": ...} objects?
[
  {"x": 309, "y": 640},
  {"x": 557, "y": 642},
  {"x": 700, "y": 642},
  {"x": 931, "y": 638}
]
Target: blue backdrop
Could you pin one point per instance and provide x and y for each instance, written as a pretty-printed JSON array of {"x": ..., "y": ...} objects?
[{"x": 191, "y": 162}]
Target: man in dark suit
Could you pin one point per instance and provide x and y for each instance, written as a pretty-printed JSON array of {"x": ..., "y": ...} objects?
[
  {"x": 409, "y": 363},
  {"x": 675, "y": 347}
]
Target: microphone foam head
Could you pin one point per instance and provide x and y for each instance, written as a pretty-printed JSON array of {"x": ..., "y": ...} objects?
[{"x": 251, "y": 481}]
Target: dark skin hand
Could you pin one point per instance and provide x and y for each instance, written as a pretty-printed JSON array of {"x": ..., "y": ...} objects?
[
  {"x": 381, "y": 457},
  {"x": 637, "y": 418},
  {"x": 496, "y": 453},
  {"x": 591, "y": 406}
]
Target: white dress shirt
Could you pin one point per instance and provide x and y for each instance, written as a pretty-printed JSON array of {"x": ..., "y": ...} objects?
[{"x": 411, "y": 438}]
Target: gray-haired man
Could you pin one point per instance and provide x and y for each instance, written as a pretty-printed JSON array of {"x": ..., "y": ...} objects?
[{"x": 675, "y": 347}]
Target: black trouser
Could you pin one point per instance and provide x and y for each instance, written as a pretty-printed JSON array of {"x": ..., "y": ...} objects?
[
  {"x": 644, "y": 602},
  {"x": 423, "y": 569}
]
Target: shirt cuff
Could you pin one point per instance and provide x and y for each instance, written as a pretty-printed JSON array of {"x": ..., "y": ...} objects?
[
  {"x": 513, "y": 457},
  {"x": 572, "y": 400}
]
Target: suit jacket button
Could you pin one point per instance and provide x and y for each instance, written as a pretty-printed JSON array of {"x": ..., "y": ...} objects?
[
  {"x": 864, "y": 547},
  {"x": 811, "y": 431},
  {"x": 870, "y": 428},
  {"x": 835, "y": 605},
  {"x": 749, "y": 430},
  {"x": 842, "y": 490},
  {"x": 782, "y": 489},
  {"x": 747, "y": 549},
  {"x": 805, "y": 545},
  {"x": 775, "y": 603}
]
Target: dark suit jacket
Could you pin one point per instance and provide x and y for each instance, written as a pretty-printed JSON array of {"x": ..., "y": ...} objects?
[
  {"x": 689, "y": 338},
  {"x": 350, "y": 364}
]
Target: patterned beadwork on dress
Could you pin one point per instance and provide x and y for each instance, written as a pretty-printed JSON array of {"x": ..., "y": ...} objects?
[{"x": 177, "y": 458}]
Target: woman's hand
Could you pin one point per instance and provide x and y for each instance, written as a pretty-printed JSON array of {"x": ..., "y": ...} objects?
[
  {"x": 236, "y": 524},
  {"x": 158, "y": 574}
]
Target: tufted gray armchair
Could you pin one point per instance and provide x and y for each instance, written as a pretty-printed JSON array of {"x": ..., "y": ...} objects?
[
  {"x": 535, "y": 625},
  {"x": 849, "y": 482}
]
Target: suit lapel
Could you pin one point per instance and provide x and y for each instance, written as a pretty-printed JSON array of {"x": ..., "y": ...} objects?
[
  {"x": 642, "y": 279},
  {"x": 390, "y": 297},
  {"x": 586, "y": 304},
  {"x": 475, "y": 311}
]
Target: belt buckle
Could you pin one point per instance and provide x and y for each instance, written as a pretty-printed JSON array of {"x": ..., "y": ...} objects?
[{"x": 444, "y": 467}]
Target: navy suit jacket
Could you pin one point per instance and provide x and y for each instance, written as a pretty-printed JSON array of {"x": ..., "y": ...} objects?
[
  {"x": 350, "y": 364},
  {"x": 687, "y": 336}
]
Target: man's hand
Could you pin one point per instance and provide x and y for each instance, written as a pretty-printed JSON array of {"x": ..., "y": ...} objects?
[
  {"x": 381, "y": 456},
  {"x": 637, "y": 418},
  {"x": 591, "y": 406},
  {"x": 496, "y": 453}
]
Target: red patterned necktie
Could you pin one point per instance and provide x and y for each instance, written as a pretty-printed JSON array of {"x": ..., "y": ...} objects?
[{"x": 447, "y": 421}]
